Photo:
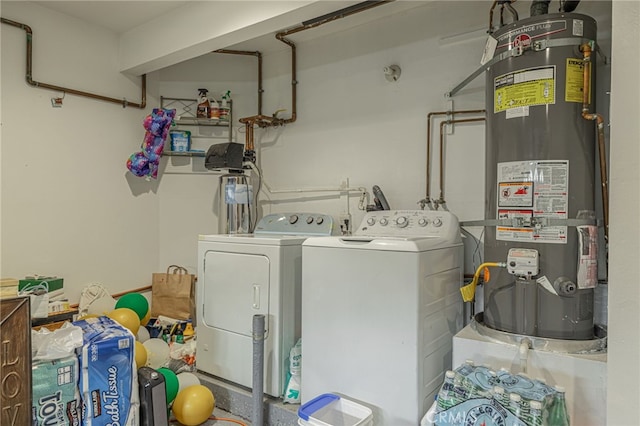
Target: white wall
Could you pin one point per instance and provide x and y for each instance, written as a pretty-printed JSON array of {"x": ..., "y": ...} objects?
[
  {"x": 623, "y": 396},
  {"x": 69, "y": 207}
]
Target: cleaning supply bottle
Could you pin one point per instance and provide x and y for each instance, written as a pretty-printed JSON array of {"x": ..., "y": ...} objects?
[
  {"x": 214, "y": 111},
  {"x": 188, "y": 330},
  {"x": 225, "y": 108},
  {"x": 202, "y": 111}
]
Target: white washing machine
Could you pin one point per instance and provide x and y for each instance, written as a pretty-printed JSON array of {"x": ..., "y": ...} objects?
[
  {"x": 379, "y": 311},
  {"x": 240, "y": 276}
]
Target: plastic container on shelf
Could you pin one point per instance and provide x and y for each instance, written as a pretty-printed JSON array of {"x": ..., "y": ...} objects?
[
  {"x": 334, "y": 410},
  {"x": 180, "y": 140}
]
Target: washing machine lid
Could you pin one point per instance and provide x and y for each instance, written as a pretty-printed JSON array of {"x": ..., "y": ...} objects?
[
  {"x": 270, "y": 240},
  {"x": 402, "y": 244}
]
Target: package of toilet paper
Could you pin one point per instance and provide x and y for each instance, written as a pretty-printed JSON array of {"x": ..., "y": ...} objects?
[
  {"x": 108, "y": 378},
  {"x": 55, "y": 396}
]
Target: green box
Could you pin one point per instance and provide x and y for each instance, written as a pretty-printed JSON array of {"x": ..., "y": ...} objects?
[{"x": 54, "y": 283}]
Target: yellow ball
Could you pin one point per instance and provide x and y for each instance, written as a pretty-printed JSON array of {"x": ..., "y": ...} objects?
[
  {"x": 193, "y": 405},
  {"x": 145, "y": 320},
  {"x": 126, "y": 318},
  {"x": 141, "y": 355}
]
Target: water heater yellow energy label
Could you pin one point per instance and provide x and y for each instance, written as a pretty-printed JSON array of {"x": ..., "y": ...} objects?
[
  {"x": 575, "y": 81},
  {"x": 532, "y": 86}
]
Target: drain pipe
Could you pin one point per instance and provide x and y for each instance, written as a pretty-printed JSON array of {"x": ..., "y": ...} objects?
[
  {"x": 525, "y": 345},
  {"x": 34, "y": 83},
  {"x": 258, "y": 370}
]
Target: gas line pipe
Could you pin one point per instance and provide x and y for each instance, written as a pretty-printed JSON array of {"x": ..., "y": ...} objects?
[
  {"x": 602, "y": 152},
  {"x": 427, "y": 200},
  {"x": 34, "y": 83}
]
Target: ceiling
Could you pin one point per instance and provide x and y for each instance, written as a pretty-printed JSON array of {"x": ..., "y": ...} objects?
[
  {"x": 118, "y": 16},
  {"x": 121, "y": 16}
]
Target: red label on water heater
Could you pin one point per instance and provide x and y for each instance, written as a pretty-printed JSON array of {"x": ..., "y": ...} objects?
[{"x": 522, "y": 41}]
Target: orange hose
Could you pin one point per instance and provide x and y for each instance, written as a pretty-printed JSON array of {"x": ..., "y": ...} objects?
[{"x": 223, "y": 419}]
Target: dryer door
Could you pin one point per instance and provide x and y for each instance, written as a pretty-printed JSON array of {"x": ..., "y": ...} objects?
[{"x": 236, "y": 287}]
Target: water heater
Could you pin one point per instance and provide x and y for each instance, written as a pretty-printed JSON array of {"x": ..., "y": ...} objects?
[{"x": 540, "y": 179}]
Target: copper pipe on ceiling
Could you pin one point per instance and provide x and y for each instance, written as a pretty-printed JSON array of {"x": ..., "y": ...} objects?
[
  {"x": 442, "y": 124},
  {"x": 272, "y": 121},
  {"x": 427, "y": 199},
  {"x": 34, "y": 83},
  {"x": 258, "y": 55}
]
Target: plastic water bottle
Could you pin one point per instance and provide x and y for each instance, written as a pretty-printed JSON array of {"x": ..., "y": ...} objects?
[
  {"x": 446, "y": 395},
  {"x": 535, "y": 414},
  {"x": 515, "y": 401},
  {"x": 500, "y": 396},
  {"x": 558, "y": 415}
]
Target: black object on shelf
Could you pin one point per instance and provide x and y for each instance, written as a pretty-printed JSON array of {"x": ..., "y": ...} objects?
[{"x": 224, "y": 156}]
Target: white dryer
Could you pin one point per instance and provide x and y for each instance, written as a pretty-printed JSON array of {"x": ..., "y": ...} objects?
[
  {"x": 240, "y": 276},
  {"x": 379, "y": 312}
]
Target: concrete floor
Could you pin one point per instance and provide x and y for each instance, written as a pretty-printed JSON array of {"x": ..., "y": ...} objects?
[
  {"x": 221, "y": 415},
  {"x": 236, "y": 403}
]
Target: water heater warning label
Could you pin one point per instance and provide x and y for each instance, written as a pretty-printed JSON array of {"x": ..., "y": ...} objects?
[
  {"x": 529, "y": 189},
  {"x": 573, "y": 91},
  {"x": 527, "y": 87}
]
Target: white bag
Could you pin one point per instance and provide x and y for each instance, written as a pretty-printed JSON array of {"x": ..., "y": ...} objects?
[{"x": 39, "y": 298}]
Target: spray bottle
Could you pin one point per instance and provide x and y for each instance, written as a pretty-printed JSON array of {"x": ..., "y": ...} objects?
[
  {"x": 225, "y": 108},
  {"x": 214, "y": 111},
  {"x": 204, "y": 107}
]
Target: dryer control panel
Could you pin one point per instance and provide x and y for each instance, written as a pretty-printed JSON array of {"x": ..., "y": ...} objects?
[
  {"x": 312, "y": 224},
  {"x": 408, "y": 223}
]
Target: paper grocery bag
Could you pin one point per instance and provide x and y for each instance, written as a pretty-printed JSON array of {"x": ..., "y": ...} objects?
[{"x": 173, "y": 294}]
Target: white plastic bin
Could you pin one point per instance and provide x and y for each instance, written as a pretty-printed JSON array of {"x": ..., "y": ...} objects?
[{"x": 333, "y": 410}]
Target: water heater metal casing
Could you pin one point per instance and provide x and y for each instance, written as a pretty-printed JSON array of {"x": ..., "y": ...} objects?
[{"x": 534, "y": 119}]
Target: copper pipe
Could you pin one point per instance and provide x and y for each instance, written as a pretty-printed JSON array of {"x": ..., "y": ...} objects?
[
  {"x": 34, "y": 83},
  {"x": 271, "y": 121},
  {"x": 333, "y": 16},
  {"x": 294, "y": 82},
  {"x": 602, "y": 152},
  {"x": 433, "y": 114},
  {"x": 442, "y": 124},
  {"x": 250, "y": 53}
]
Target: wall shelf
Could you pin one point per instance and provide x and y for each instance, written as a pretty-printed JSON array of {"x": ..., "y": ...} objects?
[
  {"x": 186, "y": 113},
  {"x": 184, "y": 153}
]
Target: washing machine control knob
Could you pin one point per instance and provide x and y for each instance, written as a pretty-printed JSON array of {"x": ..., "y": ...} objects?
[
  {"x": 437, "y": 222},
  {"x": 402, "y": 221},
  {"x": 371, "y": 221},
  {"x": 309, "y": 220},
  {"x": 423, "y": 222},
  {"x": 293, "y": 219},
  {"x": 320, "y": 220},
  {"x": 384, "y": 221}
]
